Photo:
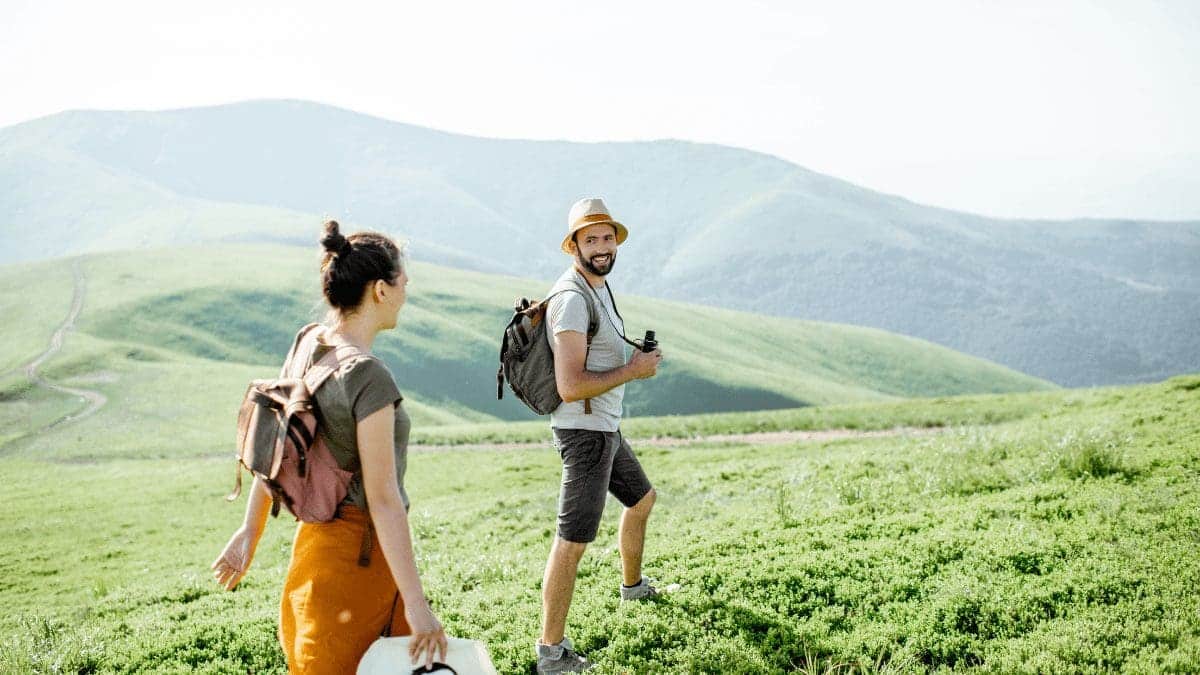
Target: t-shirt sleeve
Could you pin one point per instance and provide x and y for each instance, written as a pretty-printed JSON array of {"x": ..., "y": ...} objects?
[
  {"x": 567, "y": 311},
  {"x": 370, "y": 387}
]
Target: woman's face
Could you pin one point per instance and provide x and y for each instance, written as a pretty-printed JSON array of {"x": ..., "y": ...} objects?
[{"x": 395, "y": 297}]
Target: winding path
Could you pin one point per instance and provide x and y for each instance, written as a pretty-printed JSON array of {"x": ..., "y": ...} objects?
[{"x": 95, "y": 399}]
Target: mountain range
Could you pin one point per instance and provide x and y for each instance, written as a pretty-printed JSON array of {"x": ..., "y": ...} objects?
[{"x": 1076, "y": 302}]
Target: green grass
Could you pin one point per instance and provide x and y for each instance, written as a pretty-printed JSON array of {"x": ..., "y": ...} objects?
[{"x": 1050, "y": 532}]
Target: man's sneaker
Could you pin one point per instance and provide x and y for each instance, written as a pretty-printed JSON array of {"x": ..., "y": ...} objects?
[
  {"x": 560, "y": 658},
  {"x": 642, "y": 590}
]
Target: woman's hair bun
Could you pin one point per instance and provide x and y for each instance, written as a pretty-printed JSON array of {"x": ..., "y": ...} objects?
[
  {"x": 333, "y": 241},
  {"x": 344, "y": 277}
]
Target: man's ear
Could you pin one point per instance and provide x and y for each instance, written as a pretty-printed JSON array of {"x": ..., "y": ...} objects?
[{"x": 572, "y": 246}]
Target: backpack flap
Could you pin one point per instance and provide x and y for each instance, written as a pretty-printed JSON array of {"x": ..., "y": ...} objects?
[
  {"x": 270, "y": 425},
  {"x": 261, "y": 428},
  {"x": 518, "y": 338}
]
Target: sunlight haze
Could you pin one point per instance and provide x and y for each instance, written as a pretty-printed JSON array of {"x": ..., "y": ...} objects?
[{"x": 1063, "y": 110}]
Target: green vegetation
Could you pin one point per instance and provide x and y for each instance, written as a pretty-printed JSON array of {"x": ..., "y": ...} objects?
[
  {"x": 1047, "y": 532},
  {"x": 1043, "y": 531}
]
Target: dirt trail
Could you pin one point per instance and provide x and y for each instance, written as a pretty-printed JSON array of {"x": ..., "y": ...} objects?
[
  {"x": 95, "y": 399},
  {"x": 757, "y": 438}
]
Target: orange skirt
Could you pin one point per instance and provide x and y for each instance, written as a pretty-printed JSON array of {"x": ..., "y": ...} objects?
[{"x": 332, "y": 608}]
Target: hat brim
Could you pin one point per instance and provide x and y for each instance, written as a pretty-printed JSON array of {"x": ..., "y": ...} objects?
[{"x": 622, "y": 233}]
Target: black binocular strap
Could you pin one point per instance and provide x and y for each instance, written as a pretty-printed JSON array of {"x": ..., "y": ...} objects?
[{"x": 620, "y": 332}]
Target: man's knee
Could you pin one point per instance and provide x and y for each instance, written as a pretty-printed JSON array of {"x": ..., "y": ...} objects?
[
  {"x": 644, "y": 505},
  {"x": 568, "y": 551}
]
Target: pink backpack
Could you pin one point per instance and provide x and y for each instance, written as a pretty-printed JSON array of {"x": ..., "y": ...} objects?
[{"x": 279, "y": 442}]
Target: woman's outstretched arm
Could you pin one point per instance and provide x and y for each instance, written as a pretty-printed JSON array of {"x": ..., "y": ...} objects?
[{"x": 234, "y": 561}]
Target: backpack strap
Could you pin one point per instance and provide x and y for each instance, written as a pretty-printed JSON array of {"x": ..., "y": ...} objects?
[
  {"x": 300, "y": 335},
  {"x": 328, "y": 364},
  {"x": 585, "y": 289},
  {"x": 315, "y": 375}
]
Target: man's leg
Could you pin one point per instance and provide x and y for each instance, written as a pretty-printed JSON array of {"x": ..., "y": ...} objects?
[
  {"x": 587, "y": 463},
  {"x": 558, "y": 586},
  {"x": 628, "y": 483},
  {"x": 632, "y": 538}
]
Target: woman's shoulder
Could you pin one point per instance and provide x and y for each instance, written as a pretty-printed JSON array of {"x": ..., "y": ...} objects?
[
  {"x": 364, "y": 366},
  {"x": 369, "y": 385}
]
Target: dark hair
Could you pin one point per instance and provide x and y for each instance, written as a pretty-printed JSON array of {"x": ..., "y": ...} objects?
[{"x": 350, "y": 263}]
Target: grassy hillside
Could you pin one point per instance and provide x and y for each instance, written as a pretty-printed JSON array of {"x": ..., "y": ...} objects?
[
  {"x": 1080, "y": 303},
  {"x": 1047, "y": 532},
  {"x": 223, "y": 315}
]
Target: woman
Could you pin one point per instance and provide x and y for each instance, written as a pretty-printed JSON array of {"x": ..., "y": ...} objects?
[{"x": 333, "y": 607}]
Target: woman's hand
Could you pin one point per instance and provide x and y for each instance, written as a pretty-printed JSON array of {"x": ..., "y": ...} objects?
[
  {"x": 234, "y": 561},
  {"x": 428, "y": 640}
]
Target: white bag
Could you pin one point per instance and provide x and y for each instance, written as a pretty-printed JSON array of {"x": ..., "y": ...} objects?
[{"x": 389, "y": 656}]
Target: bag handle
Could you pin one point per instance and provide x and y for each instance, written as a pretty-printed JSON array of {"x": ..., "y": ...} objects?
[{"x": 437, "y": 666}]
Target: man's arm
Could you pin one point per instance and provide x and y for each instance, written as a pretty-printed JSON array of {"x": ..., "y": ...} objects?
[{"x": 576, "y": 383}]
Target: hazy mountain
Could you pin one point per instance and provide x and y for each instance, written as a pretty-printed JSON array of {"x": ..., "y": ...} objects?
[{"x": 1080, "y": 302}]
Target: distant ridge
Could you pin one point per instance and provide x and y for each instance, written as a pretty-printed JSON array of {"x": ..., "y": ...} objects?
[{"x": 1077, "y": 302}]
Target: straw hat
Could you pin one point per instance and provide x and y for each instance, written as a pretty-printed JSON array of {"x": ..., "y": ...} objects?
[{"x": 590, "y": 211}]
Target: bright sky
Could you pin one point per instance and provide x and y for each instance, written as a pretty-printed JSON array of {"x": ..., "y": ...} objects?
[{"x": 1052, "y": 109}]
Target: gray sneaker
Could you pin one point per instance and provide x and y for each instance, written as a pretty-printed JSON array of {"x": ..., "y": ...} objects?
[
  {"x": 642, "y": 590},
  {"x": 560, "y": 658}
]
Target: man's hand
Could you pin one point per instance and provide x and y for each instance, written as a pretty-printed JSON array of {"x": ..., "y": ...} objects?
[{"x": 644, "y": 365}]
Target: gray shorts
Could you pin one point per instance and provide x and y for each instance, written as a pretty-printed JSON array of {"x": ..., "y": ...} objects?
[{"x": 594, "y": 463}]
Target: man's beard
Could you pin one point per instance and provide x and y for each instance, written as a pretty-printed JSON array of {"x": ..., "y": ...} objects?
[{"x": 598, "y": 271}]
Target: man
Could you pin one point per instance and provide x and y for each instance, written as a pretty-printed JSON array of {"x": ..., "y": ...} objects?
[{"x": 596, "y": 459}]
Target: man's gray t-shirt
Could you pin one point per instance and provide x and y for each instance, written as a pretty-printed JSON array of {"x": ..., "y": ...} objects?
[{"x": 569, "y": 312}]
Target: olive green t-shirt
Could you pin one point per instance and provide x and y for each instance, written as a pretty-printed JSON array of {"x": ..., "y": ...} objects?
[{"x": 361, "y": 386}]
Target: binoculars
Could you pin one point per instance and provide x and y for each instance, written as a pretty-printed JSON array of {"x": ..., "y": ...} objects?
[{"x": 649, "y": 344}]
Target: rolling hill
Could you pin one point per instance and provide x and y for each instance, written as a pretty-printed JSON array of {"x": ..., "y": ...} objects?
[
  {"x": 1081, "y": 302},
  {"x": 171, "y": 336}
]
